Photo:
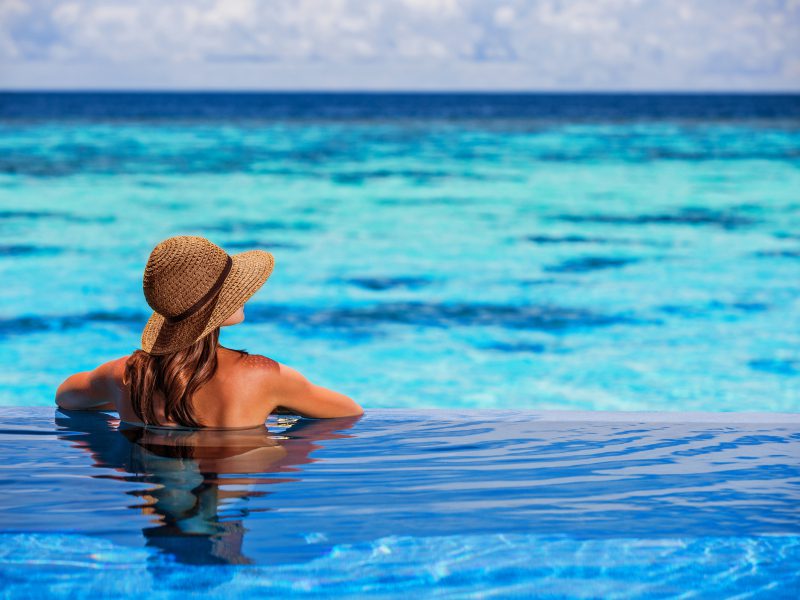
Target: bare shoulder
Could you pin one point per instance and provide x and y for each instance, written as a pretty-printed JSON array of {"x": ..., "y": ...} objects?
[
  {"x": 259, "y": 364},
  {"x": 274, "y": 385},
  {"x": 114, "y": 369},
  {"x": 99, "y": 388},
  {"x": 289, "y": 389},
  {"x": 258, "y": 373},
  {"x": 109, "y": 375},
  {"x": 266, "y": 368}
]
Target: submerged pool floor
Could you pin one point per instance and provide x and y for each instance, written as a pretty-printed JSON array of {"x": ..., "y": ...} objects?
[{"x": 451, "y": 503}]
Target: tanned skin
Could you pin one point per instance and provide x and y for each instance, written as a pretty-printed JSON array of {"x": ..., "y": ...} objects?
[{"x": 244, "y": 391}]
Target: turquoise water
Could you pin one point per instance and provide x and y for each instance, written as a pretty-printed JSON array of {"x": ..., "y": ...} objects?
[
  {"x": 607, "y": 264},
  {"x": 448, "y": 503}
]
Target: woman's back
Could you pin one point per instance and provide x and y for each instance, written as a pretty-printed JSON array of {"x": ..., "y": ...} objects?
[
  {"x": 236, "y": 396},
  {"x": 244, "y": 391}
]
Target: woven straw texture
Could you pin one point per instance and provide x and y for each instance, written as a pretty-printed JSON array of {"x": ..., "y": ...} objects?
[{"x": 179, "y": 272}]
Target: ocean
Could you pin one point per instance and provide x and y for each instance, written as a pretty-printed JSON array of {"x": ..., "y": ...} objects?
[{"x": 509, "y": 251}]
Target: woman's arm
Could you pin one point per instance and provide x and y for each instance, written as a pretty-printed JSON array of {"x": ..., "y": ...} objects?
[
  {"x": 289, "y": 389},
  {"x": 92, "y": 390}
]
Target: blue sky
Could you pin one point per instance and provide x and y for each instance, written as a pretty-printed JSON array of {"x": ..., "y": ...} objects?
[{"x": 401, "y": 44}]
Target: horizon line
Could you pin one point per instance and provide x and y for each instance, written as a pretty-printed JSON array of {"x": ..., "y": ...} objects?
[{"x": 396, "y": 91}]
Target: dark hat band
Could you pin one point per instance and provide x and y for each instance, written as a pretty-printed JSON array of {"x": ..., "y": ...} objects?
[{"x": 204, "y": 300}]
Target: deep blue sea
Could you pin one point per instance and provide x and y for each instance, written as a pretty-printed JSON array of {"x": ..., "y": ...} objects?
[{"x": 557, "y": 251}]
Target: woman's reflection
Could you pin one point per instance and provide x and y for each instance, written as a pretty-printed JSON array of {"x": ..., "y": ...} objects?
[{"x": 197, "y": 477}]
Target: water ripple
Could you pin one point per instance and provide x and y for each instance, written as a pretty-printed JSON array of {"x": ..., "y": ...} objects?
[
  {"x": 319, "y": 490},
  {"x": 584, "y": 264},
  {"x": 355, "y": 319},
  {"x": 687, "y": 216}
]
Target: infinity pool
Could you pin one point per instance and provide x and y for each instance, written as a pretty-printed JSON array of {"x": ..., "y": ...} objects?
[{"x": 473, "y": 503}]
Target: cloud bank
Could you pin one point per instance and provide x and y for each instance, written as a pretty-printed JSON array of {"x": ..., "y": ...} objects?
[{"x": 401, "y": 44}]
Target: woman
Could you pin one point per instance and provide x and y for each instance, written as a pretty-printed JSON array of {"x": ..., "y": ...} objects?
[{"x": 182, "y": 376}]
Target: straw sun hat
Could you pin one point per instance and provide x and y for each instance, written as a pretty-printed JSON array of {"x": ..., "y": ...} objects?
[{"x": 194, "y": 286}]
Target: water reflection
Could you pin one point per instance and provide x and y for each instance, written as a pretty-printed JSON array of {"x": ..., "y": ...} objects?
[{"x": 199, "y": 482}]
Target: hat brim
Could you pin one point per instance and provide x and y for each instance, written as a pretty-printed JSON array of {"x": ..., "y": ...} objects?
[{"x": 249, "y": 271}]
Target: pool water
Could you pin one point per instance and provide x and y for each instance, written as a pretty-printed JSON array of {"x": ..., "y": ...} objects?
[
  {"x": 539, "y": 251},
  {"x": 452, "y": 503}
]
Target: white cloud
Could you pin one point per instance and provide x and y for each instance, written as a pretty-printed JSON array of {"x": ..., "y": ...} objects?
[
  {"x": 504, "y": 16},
  {"x": 11, "y": 10},
  {"x": 598, "y": 43},
  {"x": 440, "y": 8}
]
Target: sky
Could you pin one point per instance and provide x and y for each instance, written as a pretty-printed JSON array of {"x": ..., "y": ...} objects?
[{"x": 571, "y": 45}]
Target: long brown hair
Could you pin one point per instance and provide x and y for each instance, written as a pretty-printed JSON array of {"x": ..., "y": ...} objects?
[{"x": 177, "y": 376}]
